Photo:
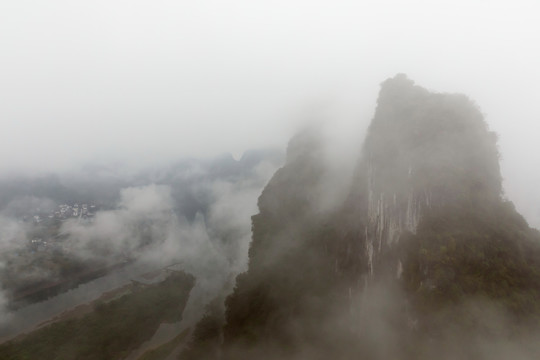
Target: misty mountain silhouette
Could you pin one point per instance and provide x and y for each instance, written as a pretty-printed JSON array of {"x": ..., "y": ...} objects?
[{"x": 425, "y": 258}]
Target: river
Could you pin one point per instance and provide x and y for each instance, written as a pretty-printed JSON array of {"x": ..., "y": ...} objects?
[{"x": 27, "y": 318}]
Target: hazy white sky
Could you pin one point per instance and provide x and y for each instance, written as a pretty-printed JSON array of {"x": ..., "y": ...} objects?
[{"x": 148, "y": 80}]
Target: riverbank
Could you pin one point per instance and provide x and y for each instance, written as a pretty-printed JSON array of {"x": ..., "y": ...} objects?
[
  {"x": 28, "y": 318},
  {"x": 112, "y": 326},
  {"x": 74, "y": 313},
  {"x": 45, "y": 290}
]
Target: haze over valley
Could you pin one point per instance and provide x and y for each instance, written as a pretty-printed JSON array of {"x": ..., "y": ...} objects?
[{"x": 271, "y": 180}]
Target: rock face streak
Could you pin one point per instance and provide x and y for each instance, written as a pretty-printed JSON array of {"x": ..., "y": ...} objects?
[{"x": 389, "y": 216}]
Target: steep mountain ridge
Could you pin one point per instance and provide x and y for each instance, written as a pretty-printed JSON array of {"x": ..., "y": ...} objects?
[
  {"x": 408, "y": 264},
  {"x": 423, "y": 150}
]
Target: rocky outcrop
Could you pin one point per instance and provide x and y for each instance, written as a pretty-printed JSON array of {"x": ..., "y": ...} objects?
[{"x": 424, "y": 230}]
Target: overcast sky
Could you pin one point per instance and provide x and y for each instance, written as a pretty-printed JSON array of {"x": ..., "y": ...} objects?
[{"x": 155, "y": 80}]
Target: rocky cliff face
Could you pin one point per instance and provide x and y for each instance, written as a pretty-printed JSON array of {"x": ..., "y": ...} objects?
[
  {"x": 423, "y": 234},
  {"x": 422, "y": 151}
]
